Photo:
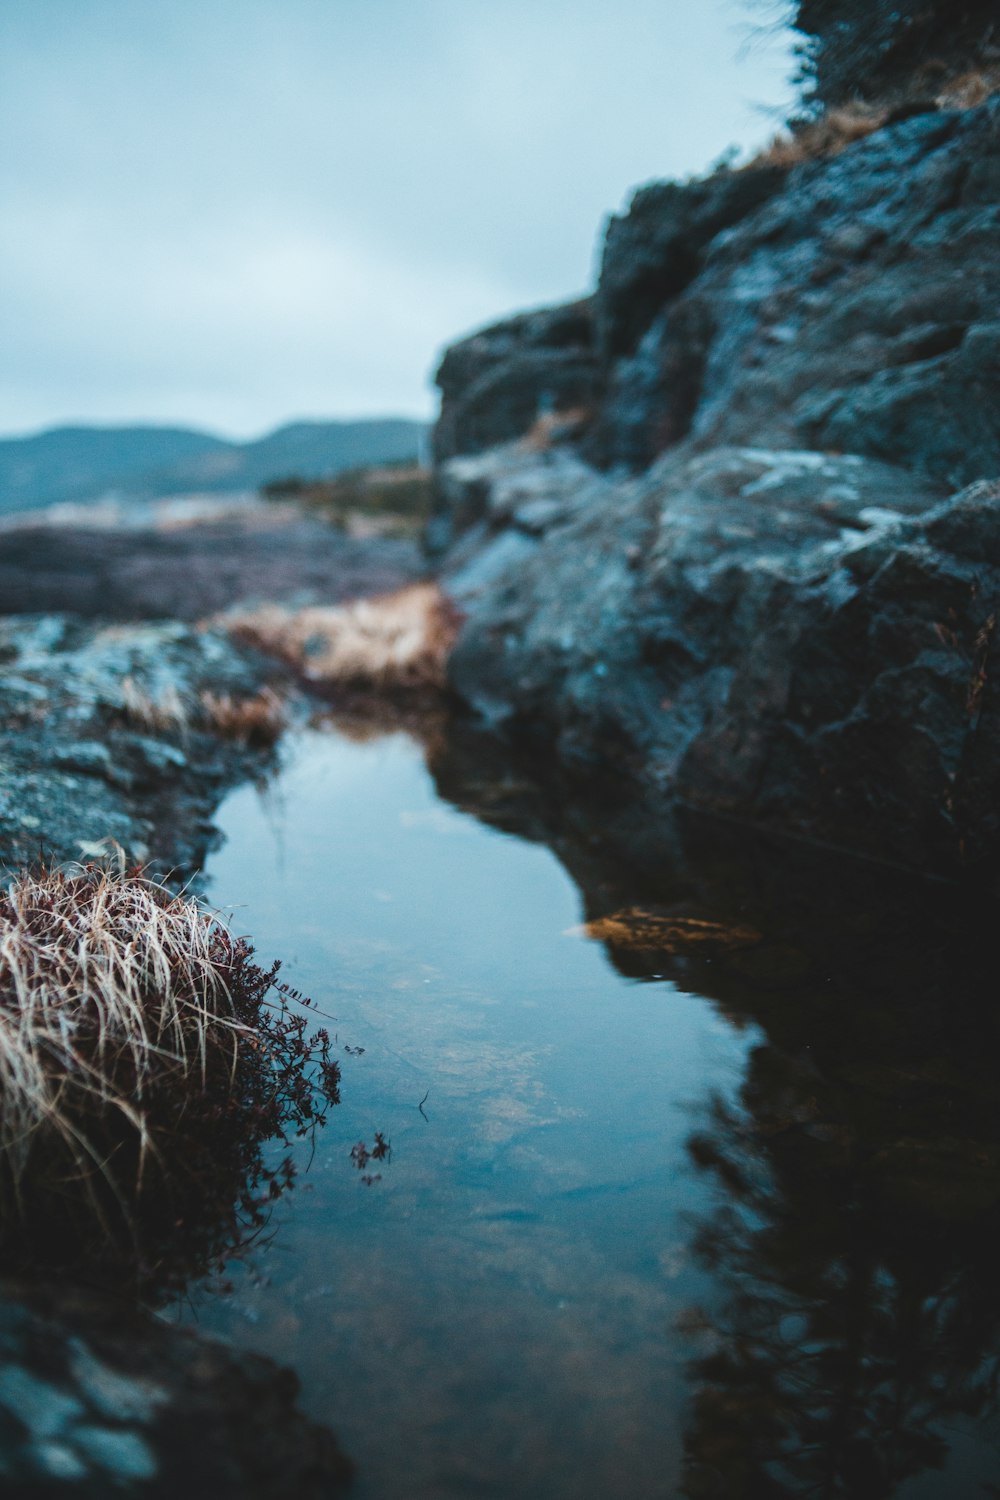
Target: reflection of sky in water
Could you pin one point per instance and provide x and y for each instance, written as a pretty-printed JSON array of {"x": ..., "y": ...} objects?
[
  {"x": 601, "y": 1161},
  {"x": 495, "y": 1313}
]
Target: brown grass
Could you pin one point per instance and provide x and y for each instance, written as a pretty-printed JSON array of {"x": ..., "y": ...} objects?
[
  {"x": 166, "y": 714},
  {"x": 832, "y": 133},
  {"x": 968, "y": 90},
  {"x": 140, "y": 1069},
  {"x": 840, "y": 127},
  {"x": 555, "y": 427},
  {"x": 636, "y": 928},
  {"x": 259, "y": 721},
  {"x": 397, "y": 642},
  {"x": 108, "y": 985}
]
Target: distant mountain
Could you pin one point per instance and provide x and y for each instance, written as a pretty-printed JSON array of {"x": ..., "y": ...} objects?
[{"x": 84, "y": 463}]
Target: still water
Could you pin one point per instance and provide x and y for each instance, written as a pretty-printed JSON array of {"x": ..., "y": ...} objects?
[{"x": 641, "y": 1232}]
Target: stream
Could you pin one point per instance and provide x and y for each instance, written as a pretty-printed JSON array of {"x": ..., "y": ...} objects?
[{"x": 668, "y": 1214}]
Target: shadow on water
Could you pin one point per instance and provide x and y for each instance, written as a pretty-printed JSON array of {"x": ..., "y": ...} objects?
[
  {"x": 836, "y": 1329},
  {"x": 850, "y": 1346}
]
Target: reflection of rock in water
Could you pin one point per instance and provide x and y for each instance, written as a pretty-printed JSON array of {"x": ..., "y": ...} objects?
[
  {"x": 851, "y": 1333},
  {"x": 97, "y": 1399},
  {"x": 857, "y": 1228},
  {"x": 855, "y": 1241}
]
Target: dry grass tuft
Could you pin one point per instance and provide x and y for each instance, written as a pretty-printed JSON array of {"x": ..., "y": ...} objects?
[
  {"x": 259, "y": 721},
  {"x": 102, "y": 980},
  {"x": 841, "y": 126},
  {"x": 166, "y": 714},
  {"x": 969, "y": 90},
  {"x": 140, "y": 1068},
  {"x": 398, "y": 642},
  {"x": 832, "y": 133}
]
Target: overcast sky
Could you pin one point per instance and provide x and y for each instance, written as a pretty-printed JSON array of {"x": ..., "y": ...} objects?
[{"x": 231, "y": 213}]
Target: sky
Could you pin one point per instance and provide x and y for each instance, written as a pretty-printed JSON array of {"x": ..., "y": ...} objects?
[{"x": 233, "y": 213}]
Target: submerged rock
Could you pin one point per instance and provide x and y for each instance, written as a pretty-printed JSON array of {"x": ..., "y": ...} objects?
[{"x": 97, "y": 1398}]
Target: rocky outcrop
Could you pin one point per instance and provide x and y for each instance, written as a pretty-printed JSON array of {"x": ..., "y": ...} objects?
[
  {"x": 847, "y": 304},
  {"x": 105, "y": 734},
  {"x": 765, "y": 579},
  {"x": 495, "y": 384},
  {"x": 785, "y": 637},
  {"x": 854, "y": 310}
]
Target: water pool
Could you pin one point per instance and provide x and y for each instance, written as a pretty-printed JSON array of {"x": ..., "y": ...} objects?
[{"x": 602, "y": 1258}]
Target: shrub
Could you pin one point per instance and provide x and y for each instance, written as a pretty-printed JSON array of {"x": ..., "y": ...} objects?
[{"x": 143, "y": 1067}]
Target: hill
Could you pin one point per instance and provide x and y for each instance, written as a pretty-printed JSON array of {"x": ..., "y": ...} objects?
[{"x": 84, "y": 463}]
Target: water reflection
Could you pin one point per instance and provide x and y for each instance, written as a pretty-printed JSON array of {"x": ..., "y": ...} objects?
[
  {"x": 859, "y": 1309},
  {"x": 818, "y": 1037},
  {"x": 852, "y": 1339}
]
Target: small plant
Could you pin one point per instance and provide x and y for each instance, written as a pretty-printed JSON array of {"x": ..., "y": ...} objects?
[
  {"x": 362, "y": 1154},
  {"x": 260, "y": 720},
  {"x": 166, "y": 714},
  {"x": 143, "y": 1066}
]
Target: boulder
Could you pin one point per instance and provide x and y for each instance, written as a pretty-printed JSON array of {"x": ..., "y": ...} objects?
[
  {"x": 797, "y": 639},
  {"x": 764, "y": 578},
  {"x": 498, "y": 382},
  {"x": 854, "y": 310}
]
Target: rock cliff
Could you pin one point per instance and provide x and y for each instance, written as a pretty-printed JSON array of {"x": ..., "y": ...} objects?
[{"x": 728, "y": 531}]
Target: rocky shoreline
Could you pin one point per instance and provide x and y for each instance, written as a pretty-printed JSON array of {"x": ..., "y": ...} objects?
[
  {"x": 108, "y": 730},
  {"x": 119, "y": 736},
  {"x": 724, "y": 536},
  {"x": 727, "y": 531}
]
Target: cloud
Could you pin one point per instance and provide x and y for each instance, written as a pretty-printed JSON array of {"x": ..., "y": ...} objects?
[{"x": 231, "y": 213}]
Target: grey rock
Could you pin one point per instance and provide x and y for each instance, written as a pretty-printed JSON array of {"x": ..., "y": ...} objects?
[
  {"x": 781, "y": 616},
  {"x": 849, "y": 303},
  {"x": 655, "y": 249},
  {"x": 855, "y": 310},
  {"x": 512, "y": 483},
  {"x": 102, "y": 739},
  {"x": 496, "y": 383},
  {"x": 97, "y": 1398},
  {"x": 797, "y": 639}
]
